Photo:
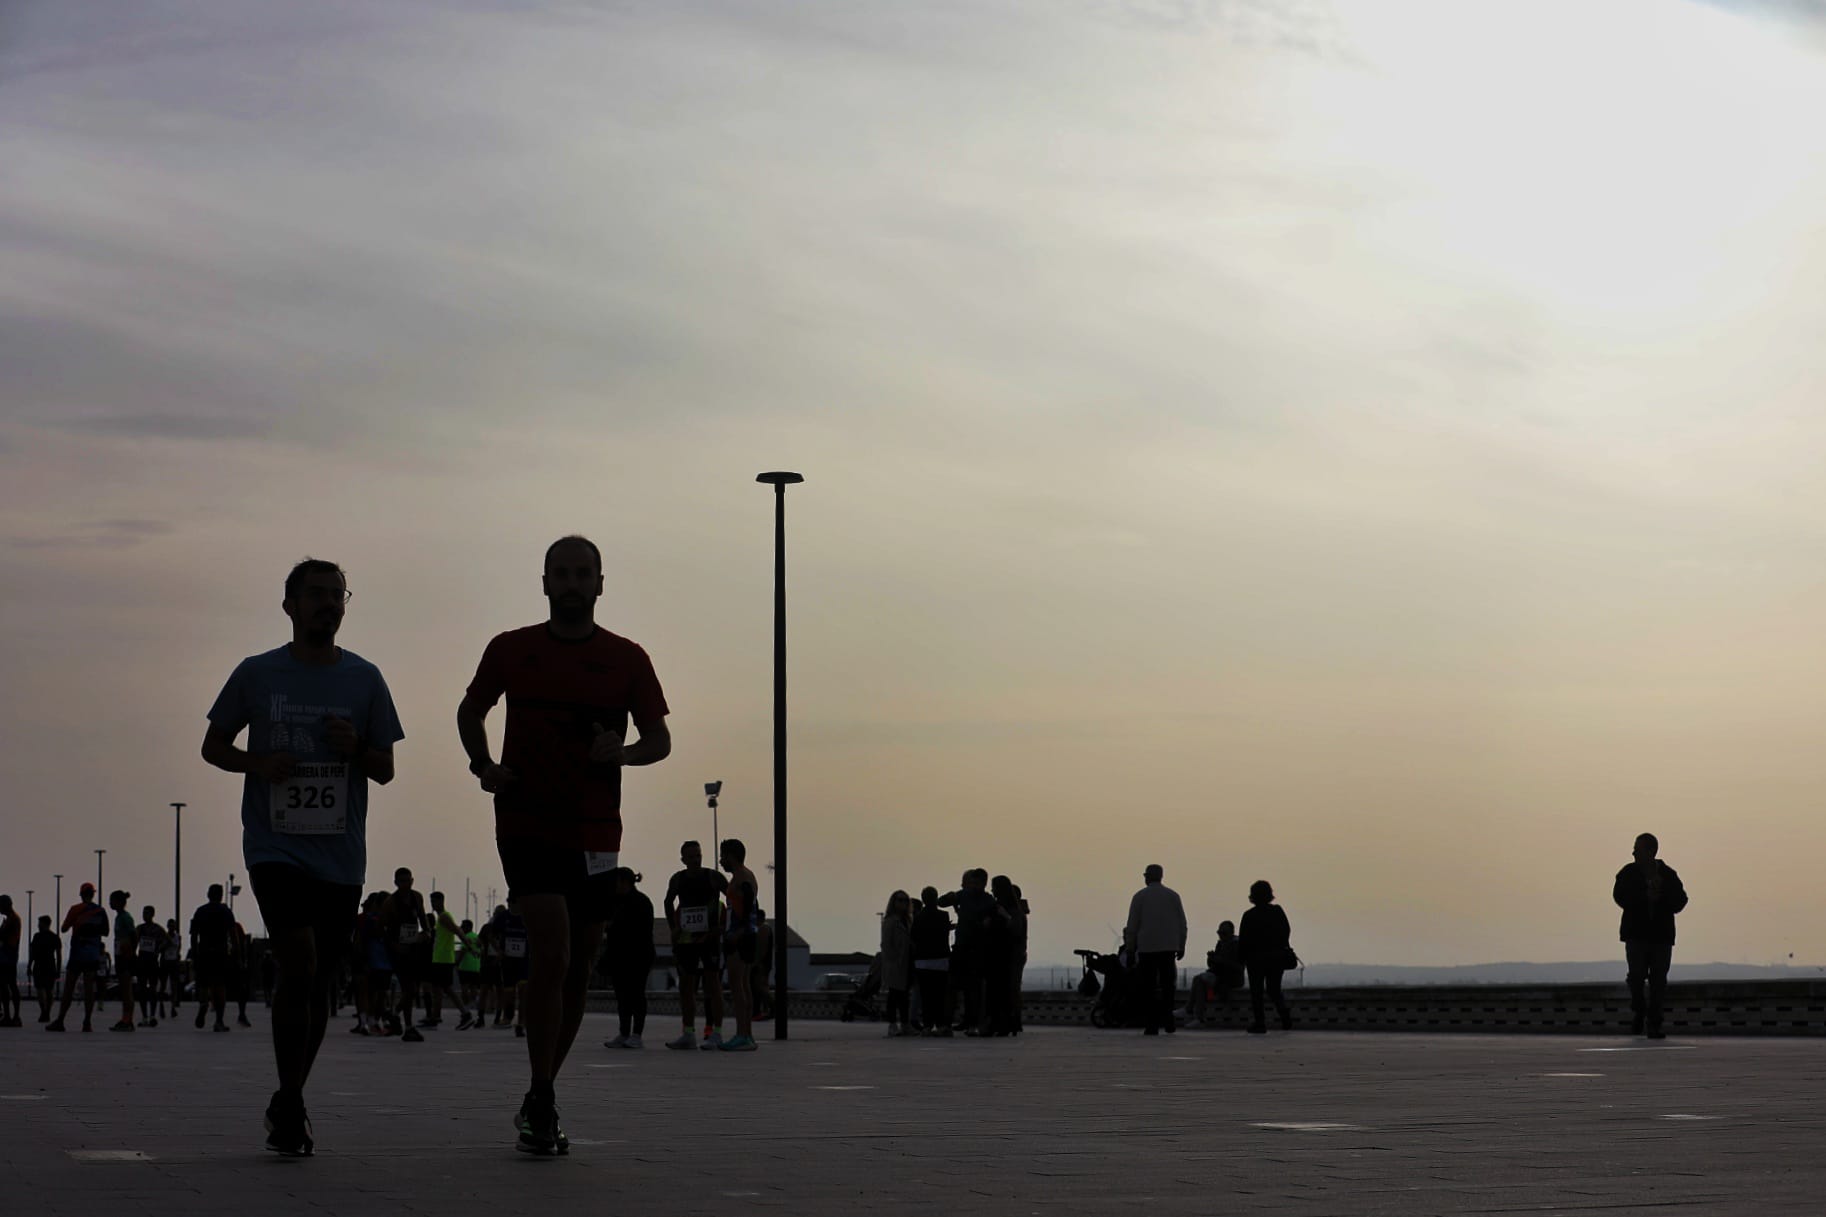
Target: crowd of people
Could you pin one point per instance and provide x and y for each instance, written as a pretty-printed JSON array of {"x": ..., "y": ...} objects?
[
  {"x": 151, "y": 966},
  {"x": 320, "y": 729}
]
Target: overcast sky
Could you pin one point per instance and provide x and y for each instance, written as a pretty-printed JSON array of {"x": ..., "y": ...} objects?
[{"x": 1371, "y": 445}]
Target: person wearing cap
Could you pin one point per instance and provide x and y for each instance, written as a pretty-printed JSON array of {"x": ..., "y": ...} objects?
[
  {"x": 126, "y": 951},
  {"x": 87, "y": 925}
]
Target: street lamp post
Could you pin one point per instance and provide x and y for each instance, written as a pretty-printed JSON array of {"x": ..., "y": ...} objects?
[
  {"x": 99, "y": 889},
  {"x": 780, "y": 481},
  {"x": 31, "y": 918},
  {"x": 59, "y": 896},
  {"x": 177, "y": 860}
]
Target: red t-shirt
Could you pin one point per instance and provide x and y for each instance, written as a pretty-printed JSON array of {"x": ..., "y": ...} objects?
[{"x": 557, "y": 691}]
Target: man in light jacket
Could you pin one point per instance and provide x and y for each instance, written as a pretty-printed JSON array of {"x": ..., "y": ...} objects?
[{"x": 1157, "y": 928}]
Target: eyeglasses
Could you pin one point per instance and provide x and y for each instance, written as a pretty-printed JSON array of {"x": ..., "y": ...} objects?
[{"x": 325, "y": 595}]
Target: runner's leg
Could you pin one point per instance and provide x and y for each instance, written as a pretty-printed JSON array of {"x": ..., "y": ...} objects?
[
  {"x": 586, "y": 941},
  {"x": 548, "y": 943}
]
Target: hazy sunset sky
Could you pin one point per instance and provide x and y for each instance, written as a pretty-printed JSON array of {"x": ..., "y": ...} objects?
[{"x": 1373, "y": 445}]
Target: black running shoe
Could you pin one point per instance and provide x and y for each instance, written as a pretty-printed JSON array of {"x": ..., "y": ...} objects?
[
  {"x": 538, "y": 1125},
  {"x": 288, "y": 1129}
]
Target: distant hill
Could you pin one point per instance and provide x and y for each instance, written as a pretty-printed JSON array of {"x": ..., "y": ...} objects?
[
  {"x": 1329, "y": 974},
  {"x": 1603, "y": 972}
]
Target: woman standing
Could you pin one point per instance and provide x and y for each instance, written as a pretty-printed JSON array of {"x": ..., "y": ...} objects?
[
  {"x": 629, "y": 955},
  {"x": 1264, "y": 940},
  {"x": 897, "y": 961}
]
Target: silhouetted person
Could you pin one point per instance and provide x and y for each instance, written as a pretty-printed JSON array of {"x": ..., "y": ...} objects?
[
  {"x": 1265, "y": 943},
  {"x": 897, "y": 961},
  {"x": 1650, "y": 894},
  {"x": 628, "y": 950},
  {"x": 1008, "y": 894},
  {"x": 1224, "y": 972},
  {"x": 932, "y": 963},
  {"x": 1157, "y": 930},
  {"x": 976, "y": 910}
]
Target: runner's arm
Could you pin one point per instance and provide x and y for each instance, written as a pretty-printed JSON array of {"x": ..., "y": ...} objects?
[
  {"x": 219, "y": 750},
  {"x": 472, "y": 731},
  {"x": 654, "y": 744}
]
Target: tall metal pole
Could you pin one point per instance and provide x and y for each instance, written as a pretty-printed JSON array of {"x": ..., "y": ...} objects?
[
  {"x": 31, "y": 915},
  {"x": 59, "y": 896},
  {"x": 99, "y": 889},
  {"x": 782, "y": 987},
  {"x": 177, "y": 860}
]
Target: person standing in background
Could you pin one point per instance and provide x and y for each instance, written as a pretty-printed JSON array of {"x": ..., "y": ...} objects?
[{"x": 1650, "y": 895}]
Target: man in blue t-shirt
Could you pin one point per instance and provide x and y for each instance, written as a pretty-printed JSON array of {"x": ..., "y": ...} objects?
[{"x": 321, "y": 725}]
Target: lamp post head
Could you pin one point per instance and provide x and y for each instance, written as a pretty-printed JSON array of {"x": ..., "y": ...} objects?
[{"x": 780, "y": 479}]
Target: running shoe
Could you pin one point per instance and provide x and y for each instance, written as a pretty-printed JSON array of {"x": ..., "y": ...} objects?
[
  {"x": 739, "y": 1043},
  {"x": 288, "y": 1129},
  {"x": 241, "y": 1020},
  {"x": 466, "y": 1022},
  {"x": 221, "y": 1027},
  {"x": 411, "y": 1036},
  {"x": 633, "y": 1042},
  {"x": 686, "y": 1041},
  {"x": 538, "y": 1126},
  {"x": 55, "y": 1024},
  {"x": 712, "y": 1041},
  {"x": 620, "y": 1041},
  {"x": 123, "y": 1025}
]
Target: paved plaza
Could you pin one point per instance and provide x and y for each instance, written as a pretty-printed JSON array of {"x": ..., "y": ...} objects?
[{"x": 842, "y": 1121}]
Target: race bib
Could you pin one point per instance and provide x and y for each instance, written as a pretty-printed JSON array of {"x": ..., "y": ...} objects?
[
  {"x": 694, "y": 920},
  {"x": 516, "y": 948},
  {"x": 314, "y": 801},
  {"x": 149, "y": 947},
  {"x": 600, "y": 863},
  {"x": 408, "y": 934}
]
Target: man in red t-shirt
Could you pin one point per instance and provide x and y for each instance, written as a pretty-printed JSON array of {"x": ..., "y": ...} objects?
[{"x": 571, "y": 690}]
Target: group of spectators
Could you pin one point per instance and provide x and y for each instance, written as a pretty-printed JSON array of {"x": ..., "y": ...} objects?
[
  {"x": 153, "y": 965},
  {"x": 980, "y": 968},
  {"x": 1154, "y": 942}
]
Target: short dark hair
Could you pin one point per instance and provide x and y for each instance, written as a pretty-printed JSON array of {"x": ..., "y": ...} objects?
[
  {"x": 118, "y": 894},
  {"x": 438, "y": 896},
  {"x": 44, "y": 921},
  {"x": 311, "y": 566},
  {"x": 929, "y": 895},
  {"x": 574, "y": 539},
  {"x": 1649, "y": 839},
  {"x": 691, "y": 845},
  {"x": 215, "y": 891},
  {"x": 735, "y": 849}
]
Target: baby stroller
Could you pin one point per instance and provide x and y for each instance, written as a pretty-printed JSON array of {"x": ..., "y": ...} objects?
[
  {"x": 1116, "y": 1004},
  {"x": 861, "y": 1003}
]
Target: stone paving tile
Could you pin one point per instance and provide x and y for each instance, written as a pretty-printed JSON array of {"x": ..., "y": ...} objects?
[{"x": 839, "y": 1120}]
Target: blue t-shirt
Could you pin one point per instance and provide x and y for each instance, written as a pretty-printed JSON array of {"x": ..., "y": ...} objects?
[{"x": 317, "y": 821}]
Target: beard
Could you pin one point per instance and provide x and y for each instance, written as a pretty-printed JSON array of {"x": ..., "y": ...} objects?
[{"x": 572, "y": 611}]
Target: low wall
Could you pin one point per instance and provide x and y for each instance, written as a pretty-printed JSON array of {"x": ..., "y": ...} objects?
[{"x": 1700, "y": 1008}]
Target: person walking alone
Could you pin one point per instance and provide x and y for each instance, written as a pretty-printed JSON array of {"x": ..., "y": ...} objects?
[
  {"x": 1265, "y": 943},
  {"x": 1650, "y": 895},
  {"x": 1157, "y": 931}
]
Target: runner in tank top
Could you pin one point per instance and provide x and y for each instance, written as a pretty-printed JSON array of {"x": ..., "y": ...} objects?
[
  {"x": 694, "y": 914},
  {"x": 739, "y": 938}
]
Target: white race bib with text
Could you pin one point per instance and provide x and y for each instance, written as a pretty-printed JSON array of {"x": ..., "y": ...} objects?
[{"x": 314, "y": 801}]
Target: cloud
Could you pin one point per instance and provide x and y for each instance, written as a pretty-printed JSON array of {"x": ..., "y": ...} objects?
[{"x": 99, "y": 534}]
